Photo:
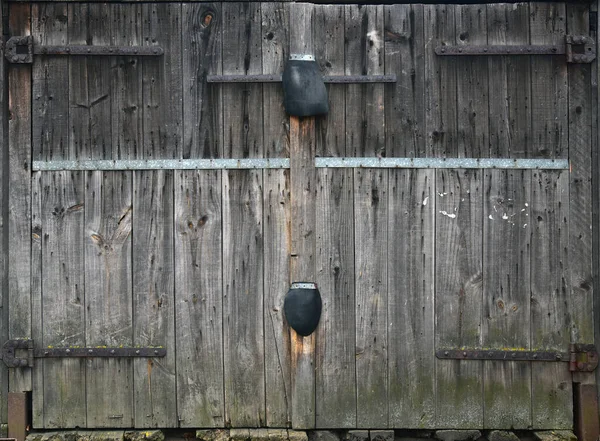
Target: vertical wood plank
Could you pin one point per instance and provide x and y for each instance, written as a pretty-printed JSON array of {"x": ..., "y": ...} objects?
[
  {"x": 126, "y": 82},
  {"x": 405, "y": 100},
  {"x": 3, "y": 225},
  {"x": 162, "y": 88},
  {"x": 199, "y": 298},
  {"x": 552, "y": 394},
  {"x": 440, "y": 83},
  {"x": 19, "y": 198},
  {"x": 506, "y": 305},
  {"x": 410, "y": 300},
  {"x": 63, "y": 311},
  {"x": 276, "y": 216},
  {"x": 365, "y": 136},
  {"x": 153, "y": 298},
  {"x": 108, "y": 296},
  {"x": 50, "y": 85},
  {"x": 303, "y": 217},
  {"x": 459, "y": 293},
  {"x": 243, "y": 330},
  {"x": 37, "y": 331},
  {"x": 201, "y": 52}
]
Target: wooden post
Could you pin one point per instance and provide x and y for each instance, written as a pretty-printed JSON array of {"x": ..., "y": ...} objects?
[{"x": 303, "y": 208}]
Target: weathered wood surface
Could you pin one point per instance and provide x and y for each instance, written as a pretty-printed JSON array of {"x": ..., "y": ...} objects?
[
  {"x": 411, "y": 386},
  {"x": 3, "y": 227},
  {"x": 459, "y": 295},
  {"x": 19, "y": 198},
  {"x": 37, "y": 331},
  {"x": 108, "y": 296}
]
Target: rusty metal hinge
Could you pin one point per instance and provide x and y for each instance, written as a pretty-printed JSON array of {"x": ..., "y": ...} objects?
[
  {"x": 22, "y": 50},
  {"x": 581, "y": 357},
  {"x": 8, "y": 354},
  {"x": 577, "y": 49}
]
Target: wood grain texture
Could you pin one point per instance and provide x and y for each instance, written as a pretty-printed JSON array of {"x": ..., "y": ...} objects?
[
  {"x": 108, "y": 296},
  {"x": 243, "y": 319},
  {"x": 510, "y": 79},
  {"x": 19, "y": 198},
  {"x": 276, "y": 220},
  {"x": 471, "y": 84},
  {"x": 153, "y": 298},
  {"x": 405, "y": 100},
  {"x": 365, "y": 136},
  {"x": 162, "y": 88},
  {"x": 506, "y": 287},
  {"x": 551, "y": 386},
  {"x": 3, "y": 226},
  {"x": 459, "y": 294},
  {"x": 63, "y": 302},
  {"x": 411, "y": 386},
  {"x": 202, "y": 55},
  {"x": 440, "y": 83},
  {"x": 50, "y": 117},
  {"x": 303, "y": 217},
  {"x": 199, "y": 299},
  {"x": 37, "y": 331}
]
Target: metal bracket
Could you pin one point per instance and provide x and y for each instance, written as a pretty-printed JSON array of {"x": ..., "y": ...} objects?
[
  {"x": 22, "y": 50},
  {"x": 8, "y": 353},
  {"x": 327, "y": 79},
  {"x": 577, "y": 49},
  {"x": 581, "y": 357}
]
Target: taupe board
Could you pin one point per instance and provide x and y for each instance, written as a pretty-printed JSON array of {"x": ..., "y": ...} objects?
[{"x": 199, "y": 261}]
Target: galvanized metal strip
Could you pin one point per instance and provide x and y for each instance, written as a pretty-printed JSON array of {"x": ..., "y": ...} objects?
[
  {"x": 478, "y": 163},
  {"x": 162, "y": 164},
  {"x": 99, "y": 352},
  {"x": 99, "y": 50},
  {"x": 303, "y": 285},
  {"x": 276, "y": 78},
  {"x": 480, "y": 354},
  {"x": 516, "y": 49}
]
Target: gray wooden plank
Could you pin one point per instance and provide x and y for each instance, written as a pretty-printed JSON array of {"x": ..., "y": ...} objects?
[
  {"x": 19, "y": 198},
  {"x": 50, "y": 85},
  {"x": 198, "y": 299},
  {"x": 303, "y": 218},
  {"x": 243, "y": 319},
  {"x": 162, "y": 87},
  {"x": 37, "y": 331},
  {"x": 506, "y": 304},
  {"x": 472, "y": 84},
  {"x": 580, "y": 215},
  {"x": 510, "y": 79},
  {"x": 440, "y": 83},
  {"x": 365, "y": 136},
  {"x": 549, "y": 94},
  {"x": 551, "y": 387},
  {"x": 126, "y": 82},
  {"x": 276, "y": 216},
  {"x": 63, "y": 311},
  {"x": 108, "y": 296},
  {"x": 458, "y": 295},
  {"x": 153, "y": 298},
  {"x": 201, "y": 51},
  {"x": 405, "y": 100},
  {"x": 411, "y": 298}
]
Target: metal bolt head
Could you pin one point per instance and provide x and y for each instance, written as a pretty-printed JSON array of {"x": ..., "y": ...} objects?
[
  {"x": 90, "y": 351},
  {"x": 558, "y": 357},
  {"x": 68, "y": 351},
  {"x": 112, "y": 351},
  {"x": 137, "y": 352}
]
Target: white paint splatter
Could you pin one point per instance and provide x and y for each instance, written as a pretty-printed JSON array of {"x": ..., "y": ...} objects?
[
  {"x": 375, "y": 38},
  {"x": 526, "y": 204},
  {"x": 491, "y": 217},
  {"x": 450, "y": 215},
  {"x": 504, "y": 216},
  {"x": 426, "y": 200},
  {"x": 524, "y": 225},
  {"x": 442, "y": 194}
]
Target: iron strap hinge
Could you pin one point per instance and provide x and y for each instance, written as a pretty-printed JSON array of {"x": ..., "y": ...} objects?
[
  {"x": 9, "y": 356},
  {"x": 22, "y": 50},
  {"x": 581, "y": 357},
  {"x": 576, "y": 48}
]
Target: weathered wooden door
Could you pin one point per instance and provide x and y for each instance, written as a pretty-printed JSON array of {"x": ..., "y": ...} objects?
[{"x": 122, "y": 232}]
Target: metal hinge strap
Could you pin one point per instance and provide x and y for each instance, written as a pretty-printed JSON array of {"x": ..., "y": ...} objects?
[
  {"x": 577, "y": 49},
  {"x": 10, "y": 348},
  {"x": 22, "y": 50}
]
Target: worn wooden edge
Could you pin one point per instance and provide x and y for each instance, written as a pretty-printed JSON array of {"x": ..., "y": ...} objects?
[{"x": 336, "y": 2}]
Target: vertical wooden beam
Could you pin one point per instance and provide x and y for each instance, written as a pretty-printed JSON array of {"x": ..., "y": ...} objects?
[
  {"x": 19, "y": 197},
  {"x": 303, "y": 206}
]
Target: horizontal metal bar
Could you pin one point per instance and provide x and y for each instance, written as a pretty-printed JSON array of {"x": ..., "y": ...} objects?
[
  {"x": 547, "y": 164},
  {"x": 276, "y": 78},
  {"x": 520, "y": 49},
  {"x": 99, "y": 50},
  {"x": 99, "y": 352},
  {"x": 162, "y": 164},
  {"x": 501, "y": 355}
]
